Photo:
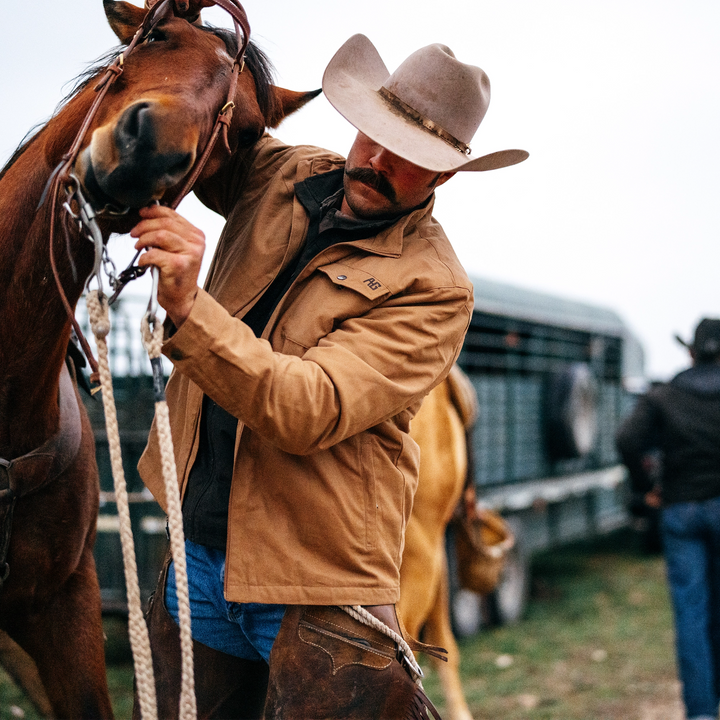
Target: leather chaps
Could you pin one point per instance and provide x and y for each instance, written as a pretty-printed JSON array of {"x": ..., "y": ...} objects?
[
  {"x": 324, "y": 665},
  {"x": 226, "y": 687}
]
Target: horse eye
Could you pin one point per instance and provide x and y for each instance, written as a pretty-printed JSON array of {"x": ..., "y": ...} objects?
[{"x": 156, "y": 36}]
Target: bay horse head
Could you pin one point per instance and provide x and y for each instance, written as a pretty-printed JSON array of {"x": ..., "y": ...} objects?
[
  {"x": 138, "y": 144},
  {"x": 159, "y": 115}
]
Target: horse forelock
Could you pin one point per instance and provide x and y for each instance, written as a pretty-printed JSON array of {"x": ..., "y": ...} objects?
[{"x": 256, "y": 60}]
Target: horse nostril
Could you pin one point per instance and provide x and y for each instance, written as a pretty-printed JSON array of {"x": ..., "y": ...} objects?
[{"x": 136, "y": 125}]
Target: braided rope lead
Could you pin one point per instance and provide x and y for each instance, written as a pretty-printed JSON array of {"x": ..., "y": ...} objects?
[
  {"x": 360, "y": 614},
  {"x": 152, "y": 340},
  {"x": 98, "y": 314}
]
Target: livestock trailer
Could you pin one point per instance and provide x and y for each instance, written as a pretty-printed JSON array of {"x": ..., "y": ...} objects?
[{"x": 551, "y": 377}]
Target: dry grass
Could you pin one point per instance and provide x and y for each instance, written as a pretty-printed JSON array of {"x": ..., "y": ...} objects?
[{"x": 597, "y": 643}]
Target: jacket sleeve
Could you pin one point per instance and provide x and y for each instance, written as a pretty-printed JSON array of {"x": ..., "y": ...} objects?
[
  {"x": 368, "y": 369},
  {"x": 636, "y": 437}
]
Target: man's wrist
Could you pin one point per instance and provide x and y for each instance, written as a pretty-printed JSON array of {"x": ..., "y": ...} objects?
[{"x": 180, "y": 313}]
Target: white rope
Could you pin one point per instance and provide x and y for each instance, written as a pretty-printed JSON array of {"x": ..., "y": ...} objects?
[
  {"x": 152, "y": 340},
  {"x": 366, "y": 618},
  {"x": 98, "y": 314}
]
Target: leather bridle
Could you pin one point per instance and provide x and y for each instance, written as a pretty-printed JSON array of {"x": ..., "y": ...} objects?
[{"x": 63, "y": 178}]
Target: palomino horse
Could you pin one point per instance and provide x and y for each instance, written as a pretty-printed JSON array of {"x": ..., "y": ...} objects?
[
  {"x": 144, "y": 139},
  {"x": 439, "y": 428}
]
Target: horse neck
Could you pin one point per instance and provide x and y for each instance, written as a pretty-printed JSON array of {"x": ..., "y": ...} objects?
[{"x": 34, "y": 325}]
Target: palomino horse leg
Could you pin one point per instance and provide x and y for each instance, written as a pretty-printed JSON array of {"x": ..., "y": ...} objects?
[
  {"x": 439, "y": 632},
  {"x": 65, "y": 640},
  {"x": 424, "y": 607}
]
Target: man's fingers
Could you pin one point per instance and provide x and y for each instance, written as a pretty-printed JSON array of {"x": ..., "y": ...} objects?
[
  {"x": 164, "y": 228},
  {"x": 176, "y": 247}
]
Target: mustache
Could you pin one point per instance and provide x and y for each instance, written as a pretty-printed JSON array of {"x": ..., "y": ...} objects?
[{"x": 376, "y": 181}]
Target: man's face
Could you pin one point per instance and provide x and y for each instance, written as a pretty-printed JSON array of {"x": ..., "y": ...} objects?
[{"x": 379, "y": 184}]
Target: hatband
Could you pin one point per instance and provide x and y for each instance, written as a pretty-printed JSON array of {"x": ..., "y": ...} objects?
[{"x": 397, "y": 104}]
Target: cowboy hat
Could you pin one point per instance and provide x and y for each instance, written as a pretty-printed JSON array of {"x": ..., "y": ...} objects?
[
  {"x": 426, "y": 112},
  {"x": 706, "y": 343}
]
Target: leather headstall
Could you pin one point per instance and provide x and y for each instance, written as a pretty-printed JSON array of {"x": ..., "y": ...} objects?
[
  {"x": 29, "y": 473},
  {"x": 62, "y": 177}
]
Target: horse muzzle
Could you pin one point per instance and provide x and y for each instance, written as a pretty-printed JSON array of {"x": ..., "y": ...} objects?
[{"x": 134, "y": 159}]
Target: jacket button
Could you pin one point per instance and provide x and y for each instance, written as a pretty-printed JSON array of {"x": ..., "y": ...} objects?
[
  {"x": 177, "y": 354},
  {"x": 342, "y": 277}
]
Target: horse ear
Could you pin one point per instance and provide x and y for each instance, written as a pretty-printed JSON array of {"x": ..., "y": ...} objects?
[
  {"x": 287, "y": 102},
  {"x": 124, "y": 18}
]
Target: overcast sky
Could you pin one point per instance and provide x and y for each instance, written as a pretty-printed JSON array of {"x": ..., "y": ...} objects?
[{"x": 616, "y": 101}]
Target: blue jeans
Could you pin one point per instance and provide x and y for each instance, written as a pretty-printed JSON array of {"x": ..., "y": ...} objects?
[
  {"x": 691, "y": 542},
  {"x": 244, "y": 630}
]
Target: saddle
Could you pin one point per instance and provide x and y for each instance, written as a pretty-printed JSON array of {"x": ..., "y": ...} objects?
[{"x": 29, "y": 473}]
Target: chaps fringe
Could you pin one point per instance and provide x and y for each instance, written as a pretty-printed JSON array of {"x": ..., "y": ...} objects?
[{"x": 421, "y": 705}]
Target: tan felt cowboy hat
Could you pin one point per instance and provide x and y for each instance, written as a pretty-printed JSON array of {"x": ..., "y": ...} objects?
[{"x": 426, "y": 112}]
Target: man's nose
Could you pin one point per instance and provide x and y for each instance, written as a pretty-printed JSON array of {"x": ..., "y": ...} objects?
[{"x": 381, "y": 159}]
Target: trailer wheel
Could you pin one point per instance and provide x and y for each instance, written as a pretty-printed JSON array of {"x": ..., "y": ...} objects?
[{"x": 508, "y": 602}]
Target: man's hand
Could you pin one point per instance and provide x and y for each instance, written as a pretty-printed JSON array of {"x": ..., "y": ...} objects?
[{"x": 176, "y": 248}]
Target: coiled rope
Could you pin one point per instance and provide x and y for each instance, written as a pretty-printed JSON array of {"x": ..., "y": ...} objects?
[{"x": 98, "y": 314}]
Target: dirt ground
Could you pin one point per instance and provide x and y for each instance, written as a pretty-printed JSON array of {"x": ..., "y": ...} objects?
[{"x": 667, "y": 706}]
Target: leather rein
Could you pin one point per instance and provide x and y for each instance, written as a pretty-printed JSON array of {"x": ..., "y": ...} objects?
[
  {"x": 29, "y": 473},
  {"x": 64, "y": 178}
]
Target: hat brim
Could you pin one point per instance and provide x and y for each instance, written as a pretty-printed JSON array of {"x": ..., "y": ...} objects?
[{"x": 351, "y": 83}]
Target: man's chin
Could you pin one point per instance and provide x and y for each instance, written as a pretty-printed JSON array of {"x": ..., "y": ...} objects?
[{"x": 367, "y": 203}]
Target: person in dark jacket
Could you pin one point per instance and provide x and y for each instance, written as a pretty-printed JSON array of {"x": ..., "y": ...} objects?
[{"x": 681, "y": 419}]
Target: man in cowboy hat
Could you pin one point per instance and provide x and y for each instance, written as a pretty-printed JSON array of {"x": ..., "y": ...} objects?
[
  {"x": 682, "y": 420},
  {"x": 333, "y": 305}
]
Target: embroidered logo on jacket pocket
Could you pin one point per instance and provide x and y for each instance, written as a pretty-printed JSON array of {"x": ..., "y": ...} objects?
[{"x": 357, "y": 279}]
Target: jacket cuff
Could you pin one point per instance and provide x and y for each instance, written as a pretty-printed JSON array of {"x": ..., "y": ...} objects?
[{"x": 194, "y": 338}]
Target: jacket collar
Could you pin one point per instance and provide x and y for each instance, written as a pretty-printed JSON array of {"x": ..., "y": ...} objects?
[
  {"x": 318, "y": 194},
  {"x": 389, "y": 242}
]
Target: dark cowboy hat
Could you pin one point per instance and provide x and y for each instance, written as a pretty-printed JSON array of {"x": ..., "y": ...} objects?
[
  {"x": 706, "y": 343},
  {"x": 426, "y": 112}
]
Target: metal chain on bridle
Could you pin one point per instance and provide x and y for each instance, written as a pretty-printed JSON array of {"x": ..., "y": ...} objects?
[
  {"x": 98, "y": 304},
  {"x": 85, "y": 216}
]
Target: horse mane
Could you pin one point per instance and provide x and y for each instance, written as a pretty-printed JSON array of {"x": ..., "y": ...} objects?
[
  {"x": 256, "y": 60},
  {"x": 257, "y": 63},
  {"x": 78, "y": 84}
]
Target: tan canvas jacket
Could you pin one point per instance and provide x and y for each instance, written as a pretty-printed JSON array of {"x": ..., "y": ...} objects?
[{"x": 324, "y": 472}]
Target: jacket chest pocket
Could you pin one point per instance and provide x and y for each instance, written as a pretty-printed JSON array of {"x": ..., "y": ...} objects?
[
  {"x": 359, "y": 280},
  {"x": 322, "y": 302}
]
